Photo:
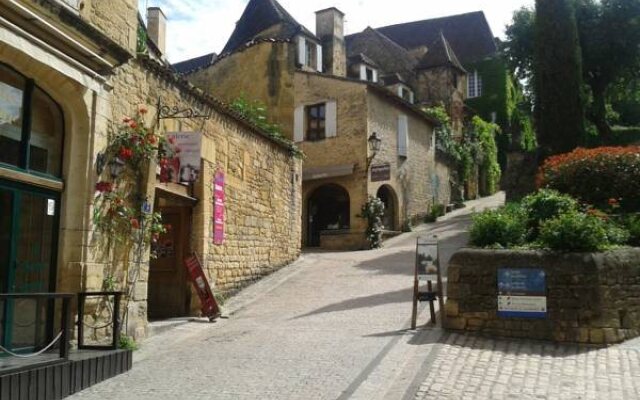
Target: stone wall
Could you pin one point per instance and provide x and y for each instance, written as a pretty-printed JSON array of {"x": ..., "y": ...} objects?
[
  {"x": 263, "y": 72},
  {"x": 591, "y": 298},
  {"x": 436, "y": 85}
]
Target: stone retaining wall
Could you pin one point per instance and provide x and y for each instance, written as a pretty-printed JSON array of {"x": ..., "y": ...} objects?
[{"x": 591, "y": 298}]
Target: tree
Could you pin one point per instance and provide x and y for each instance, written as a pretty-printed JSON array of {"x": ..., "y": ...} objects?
[
  {"x": 609, "y": 33},
  {"x": 557, "y": 72}
]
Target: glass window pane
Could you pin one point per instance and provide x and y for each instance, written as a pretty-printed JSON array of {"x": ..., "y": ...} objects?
[
  {"x": 45, "y": 145},
  {"x": 11, "y": 94}
]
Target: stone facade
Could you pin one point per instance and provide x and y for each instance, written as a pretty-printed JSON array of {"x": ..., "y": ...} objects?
[
  {"x": 591, "y": 298},
  {"x": 263, "y": 178}
]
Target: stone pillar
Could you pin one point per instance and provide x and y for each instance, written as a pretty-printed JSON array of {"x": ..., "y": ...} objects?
[
  {"x": 157, "y": 27},
  {"x": 330, "y": 31}
]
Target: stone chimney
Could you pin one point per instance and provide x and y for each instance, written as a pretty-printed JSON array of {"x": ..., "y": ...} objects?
[
  {"x": 330, "y": 31},
  {"x": 157, "y": 28}
]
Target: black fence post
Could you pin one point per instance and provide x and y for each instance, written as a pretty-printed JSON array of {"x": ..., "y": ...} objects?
[
  {"x": 116, "y": 319},
  {"x": 81, "y": 299},
  {"x": 64, "y": 339}
]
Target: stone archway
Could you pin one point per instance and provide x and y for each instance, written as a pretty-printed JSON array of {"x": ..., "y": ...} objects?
[
  {"x": 390, "y": 200},
  {"x": 328, "y": 209}
]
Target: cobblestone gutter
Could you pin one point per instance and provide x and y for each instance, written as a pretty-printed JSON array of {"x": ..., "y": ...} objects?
[{"x": 591, "y": 298}]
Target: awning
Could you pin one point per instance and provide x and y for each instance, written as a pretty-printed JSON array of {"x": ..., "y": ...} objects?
[
  {"x": 310, "y": 174},
  {"x": 176, "y": 193}
]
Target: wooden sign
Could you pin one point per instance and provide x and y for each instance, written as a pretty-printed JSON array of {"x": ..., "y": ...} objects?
[
  {"x": 380, "y": 173},
  {"x": 427, "y": 273},
  {"x": 209, "y": 306}
]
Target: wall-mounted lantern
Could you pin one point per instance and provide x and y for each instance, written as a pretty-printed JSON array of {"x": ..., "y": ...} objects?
[{"x": 374, "y": 147}]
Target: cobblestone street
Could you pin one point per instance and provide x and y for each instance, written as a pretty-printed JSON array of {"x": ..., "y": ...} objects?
[{"x": 335, "y": 326}]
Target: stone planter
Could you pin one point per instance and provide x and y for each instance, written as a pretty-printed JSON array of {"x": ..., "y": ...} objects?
[{"x": 591, "y": 297}]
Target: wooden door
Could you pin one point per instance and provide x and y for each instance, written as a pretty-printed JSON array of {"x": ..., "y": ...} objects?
[{"x": 168, "y": 291}]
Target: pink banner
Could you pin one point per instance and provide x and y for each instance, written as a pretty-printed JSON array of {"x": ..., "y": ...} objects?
[{"x": 218, "y": 208}]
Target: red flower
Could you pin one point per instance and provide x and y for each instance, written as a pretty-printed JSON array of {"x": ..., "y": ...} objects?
[
  {"x": 168, "y": 227},
  {"x": 133, "y": 124},
  {"x": 126, "y": 120},
  {"x": 151, "y": 138},
  {"x": 125, "y": 153},
  {"x": 613, "y": 202},
  {"x": 143, "y": 110},
  {"x": 103, "y": 187},
  {"x": 171, "y": 140},
  {"x": 135, "y": 224}
]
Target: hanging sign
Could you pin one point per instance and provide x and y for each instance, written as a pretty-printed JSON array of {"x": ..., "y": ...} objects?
[
  {"x": 199, "y": 280},
  {"x": 522, "y": 293},
  {"x": 380, "y": 173},
  {"x": 185, "y": 166},
  {"x": 218, "y": 208}
]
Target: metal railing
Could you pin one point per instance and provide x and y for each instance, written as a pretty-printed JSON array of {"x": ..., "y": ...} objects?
[
  {"x": 115, "y": 320},
  {"x": 65, "y": 317}
]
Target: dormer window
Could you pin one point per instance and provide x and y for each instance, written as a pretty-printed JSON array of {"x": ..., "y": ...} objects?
[
  {"x": 406, "y": 93},
  {"x": 368, "y": 74},
  {"x": 309, "y": 54}
]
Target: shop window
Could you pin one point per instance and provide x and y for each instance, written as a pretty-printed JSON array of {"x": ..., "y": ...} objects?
[
  {"x": 316, "y": 120},
  {"x": 31, "y": 125}
]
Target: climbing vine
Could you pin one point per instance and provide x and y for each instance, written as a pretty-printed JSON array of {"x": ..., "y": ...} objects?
[
  {"x": 373, "y": 212},
  {"x": 486, "y": 133}
]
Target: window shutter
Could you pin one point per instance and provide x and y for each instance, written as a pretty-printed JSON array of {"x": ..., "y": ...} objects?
[
  {"x": 319, "y": 57},
  {"x": 375, "y": 75},
  {"x": 403, "y": 135},
  {"x": 331, "y": 119},
  {"x": 298, "y": 124},
  {"x": 302, "y": 50},
  {"x": 363, "y": 72}
]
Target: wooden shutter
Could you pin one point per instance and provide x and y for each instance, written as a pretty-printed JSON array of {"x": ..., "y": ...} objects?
[
  {"x": 403, "y": 135},
  {"x": 302, "y": 50},
  {"x": 298, "y": 124},
  {"x": 331, "y": 119},
  {"x": 319, "y": 58}
]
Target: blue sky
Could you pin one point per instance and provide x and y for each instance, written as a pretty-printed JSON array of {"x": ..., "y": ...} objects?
[{"x": 197, "y": 27}]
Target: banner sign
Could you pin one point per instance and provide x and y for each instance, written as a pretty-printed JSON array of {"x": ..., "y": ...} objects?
[
  {"x": 185, "y": 166},
  {"x": 209, "y": 305},
  {"x": 522, "y": 293},
  {"x": 218, "y": 208}
]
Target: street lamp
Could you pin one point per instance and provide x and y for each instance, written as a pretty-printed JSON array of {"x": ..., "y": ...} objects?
[{"x": 374, "y": 147}]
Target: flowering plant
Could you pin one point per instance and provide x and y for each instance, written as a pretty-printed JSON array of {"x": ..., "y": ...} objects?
[
  {"x": 373, "y": 212},
  {"x": 605, "y": 177},
  {"x": 120, "y": 201}
]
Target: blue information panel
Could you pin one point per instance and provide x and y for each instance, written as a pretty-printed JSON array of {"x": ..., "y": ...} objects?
[{"x": 522, "y": 293}]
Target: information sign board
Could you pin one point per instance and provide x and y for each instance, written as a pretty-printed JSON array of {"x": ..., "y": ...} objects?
[{"x": 522, "y": 293}]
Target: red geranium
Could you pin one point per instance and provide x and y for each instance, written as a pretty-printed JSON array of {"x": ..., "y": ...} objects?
[
  {"x": 125, "y": 153},
  {"x": 133, "y": 124},
  {"x": 171, "y": 140},
  {"x": 104, "y": 187},
  {"x": 135, "y": 224}
]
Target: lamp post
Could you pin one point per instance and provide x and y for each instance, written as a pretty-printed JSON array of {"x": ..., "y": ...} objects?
[{"x": 374, "y": 147}]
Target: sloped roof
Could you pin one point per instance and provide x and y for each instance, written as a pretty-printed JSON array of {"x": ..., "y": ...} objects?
[
  {"x": 361, "y": 59},
  {"x": 258, "y": 16},
  {"x": 391, "y": 57},
  {"x": 468, "y": 34},
  {"x": 194, "y": 64},
  {"x": 440, "y": 54}
]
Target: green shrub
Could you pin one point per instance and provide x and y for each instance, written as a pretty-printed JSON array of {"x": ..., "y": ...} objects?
[
  {"x": 632, "y": 224},
  {"x": 575, "y": 232},
  {"x": 544, "y": 205},
  {"x": 127, "y": 343},
  {"x": 437, "y": 210},
  {"x": 596, "y": 176},
  {"x": 504, "y": 227},
  {"x": 617, "y": 235}
]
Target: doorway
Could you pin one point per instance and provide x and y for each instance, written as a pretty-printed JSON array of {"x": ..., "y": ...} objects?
[
  {"x": 388, "y": 197},
  {"x": 169, "y": 294},
  {"x": 28, "y": 243},
  {"x": 328, "y": 210}
]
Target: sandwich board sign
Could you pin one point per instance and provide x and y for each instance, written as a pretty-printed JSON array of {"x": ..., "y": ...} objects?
[{"x": 427, "y": 274}]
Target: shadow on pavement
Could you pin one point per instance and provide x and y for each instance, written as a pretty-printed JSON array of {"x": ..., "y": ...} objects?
[{"x": 399, "y": 296}]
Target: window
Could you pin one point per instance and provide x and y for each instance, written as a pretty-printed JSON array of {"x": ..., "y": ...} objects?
[
  {"x": 368, "y": 74},
  {"x": 31, "y": 125},
  {"x": 474, "y": 85},
  {"x": 316, "y": 120},
  {"x": 309, "y": 54}
]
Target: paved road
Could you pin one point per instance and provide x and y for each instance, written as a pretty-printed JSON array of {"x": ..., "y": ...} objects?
[
  {"x": 334, "y": 326},
  {"x": 330, "y": 326}
]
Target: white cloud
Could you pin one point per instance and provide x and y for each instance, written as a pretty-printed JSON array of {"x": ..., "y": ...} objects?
[{"x": 197, "y": 27}]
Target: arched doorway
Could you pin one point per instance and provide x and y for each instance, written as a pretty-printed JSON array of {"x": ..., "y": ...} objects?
[
  {"x": 328, "y": 210},
  {"x": 388, "y": 197}
]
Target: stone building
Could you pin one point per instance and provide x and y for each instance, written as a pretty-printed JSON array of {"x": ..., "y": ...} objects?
[
  {"x": 70, "y": 70},
  {"x": 305, "y": 83}
]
